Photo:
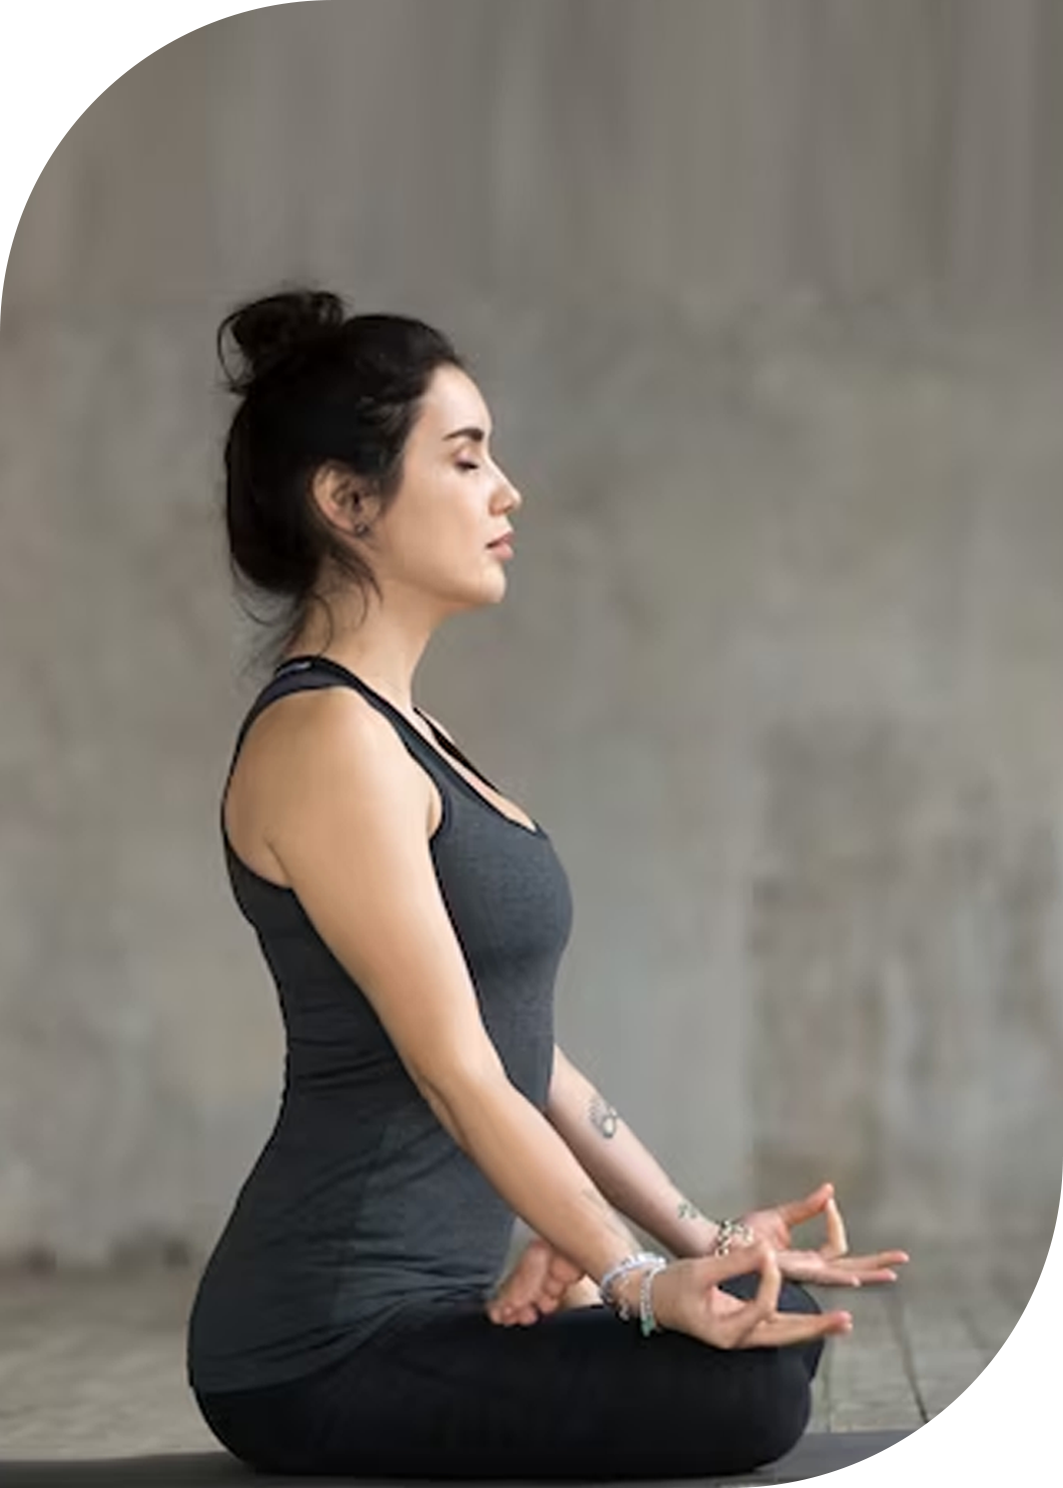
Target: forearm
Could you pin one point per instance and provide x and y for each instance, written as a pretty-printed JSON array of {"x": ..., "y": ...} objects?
[
  {"x": 534, "y": 1170},
  {"x": 628, "y": 1175}
]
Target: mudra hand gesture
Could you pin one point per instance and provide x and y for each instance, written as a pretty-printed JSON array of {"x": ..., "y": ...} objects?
[
  {"x": 543, "y": 1280},
  {"x": 687, "y": 1297},
  {"x": 831, "y": 1264}
]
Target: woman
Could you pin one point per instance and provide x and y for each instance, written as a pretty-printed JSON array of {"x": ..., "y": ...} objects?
[{"x": 412, "y": 916}]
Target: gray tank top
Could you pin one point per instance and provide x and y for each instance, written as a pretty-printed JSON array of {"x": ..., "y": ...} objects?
[{"x": 361, "y": 1204}]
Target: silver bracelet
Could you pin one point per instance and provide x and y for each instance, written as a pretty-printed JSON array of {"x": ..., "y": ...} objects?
[
  {"x": 647, "y": 1320},
  {"x": 654, "y": 1263},
  {"x": 629, "y": 1263}
]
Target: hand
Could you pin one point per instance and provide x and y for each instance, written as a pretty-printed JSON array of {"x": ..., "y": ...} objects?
[
  {"x": 830, "y": 1265},
  {"x": 686, "y": 1297},
  {"x": 541, "y": 1281}
]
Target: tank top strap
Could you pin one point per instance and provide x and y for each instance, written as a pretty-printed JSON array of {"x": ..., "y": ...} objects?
[
  {"x": 300, "y": 673},
  {"x": 305, "y": 673},
  {"x": 278, "y": 686}
]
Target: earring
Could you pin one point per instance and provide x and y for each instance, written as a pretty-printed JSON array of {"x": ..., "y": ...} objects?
[{"x": 361, "y": 529}]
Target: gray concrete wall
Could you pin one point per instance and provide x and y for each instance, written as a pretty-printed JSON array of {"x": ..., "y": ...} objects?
[{"x": 762, "y": 298}]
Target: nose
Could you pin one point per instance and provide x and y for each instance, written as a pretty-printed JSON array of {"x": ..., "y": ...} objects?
[
  {"x": 516, "y": 499},
  {"x": 505, "y": 496}
]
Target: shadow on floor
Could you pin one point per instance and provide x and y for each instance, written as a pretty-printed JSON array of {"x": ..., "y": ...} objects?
[{"x": 815, "y": 1453}]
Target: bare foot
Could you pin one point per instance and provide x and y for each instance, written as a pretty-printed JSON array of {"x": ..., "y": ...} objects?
[{"x": 541, "y": 1281}]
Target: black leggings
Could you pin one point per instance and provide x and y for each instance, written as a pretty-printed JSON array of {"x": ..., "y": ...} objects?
[{"x": 446, "y": 1393}]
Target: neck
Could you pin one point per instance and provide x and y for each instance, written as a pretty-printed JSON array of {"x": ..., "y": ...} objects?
[{"x": 384, "y": 648}]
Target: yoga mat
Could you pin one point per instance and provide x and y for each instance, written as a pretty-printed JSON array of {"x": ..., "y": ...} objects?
[
  {"x": 831, "y": 1456},
  {"x": 815, "y": 1453}
]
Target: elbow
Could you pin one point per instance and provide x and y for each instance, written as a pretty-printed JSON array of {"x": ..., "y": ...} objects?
[{"x": 459, "y": 1082}]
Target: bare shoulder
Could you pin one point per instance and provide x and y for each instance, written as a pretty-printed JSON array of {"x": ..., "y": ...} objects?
[
  {"x": 287, "y": 747},
  {"x": 348, "y": 828},
  {"x": 332, "y": 737}
]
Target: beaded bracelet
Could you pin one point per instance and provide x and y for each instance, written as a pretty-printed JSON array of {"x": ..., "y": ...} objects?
[
  {"x": 647, "y": 1320},
  {"x": 654, "y": 1263},
  {"x": 629, "y": 1263},
  {"x": 728, "y": 1231}
]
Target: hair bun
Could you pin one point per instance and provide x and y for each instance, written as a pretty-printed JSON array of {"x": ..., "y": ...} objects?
[{"x": 268, "y": 330}]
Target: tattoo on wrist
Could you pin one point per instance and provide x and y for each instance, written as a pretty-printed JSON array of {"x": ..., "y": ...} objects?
[
  {"x": 603, "y": 1115},
  {"x": 688, "y": 1211}
]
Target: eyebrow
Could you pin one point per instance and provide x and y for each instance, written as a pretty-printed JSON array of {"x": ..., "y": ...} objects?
[{"x": 471, "y": 431}]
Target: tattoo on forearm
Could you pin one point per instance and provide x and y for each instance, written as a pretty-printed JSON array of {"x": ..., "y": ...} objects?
[
  {"x": 688, "y": 1211},
  {"x": 603, "y": 1115}
]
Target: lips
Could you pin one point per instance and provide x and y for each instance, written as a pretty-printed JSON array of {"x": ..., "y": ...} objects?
[{"x": 506, "y": 538}]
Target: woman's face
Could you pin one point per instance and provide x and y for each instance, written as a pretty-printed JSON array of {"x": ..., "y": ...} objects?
[{"x": 454, "y": 500}]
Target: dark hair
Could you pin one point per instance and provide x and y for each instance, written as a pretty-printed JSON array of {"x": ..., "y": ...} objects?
[{"x": 318, "y": 388}]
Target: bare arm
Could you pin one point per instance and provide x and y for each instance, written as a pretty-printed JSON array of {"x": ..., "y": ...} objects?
[
  {"x": 625, "y": 1171},
  {"x": 349, "y": 824},
  {"x": 532, "y": 1168}
]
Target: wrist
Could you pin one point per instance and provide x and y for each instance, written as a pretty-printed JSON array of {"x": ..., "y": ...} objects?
[
  {"x": 695, "y": 1234},
  {"x": 625, "y": 1289},
  {"x": 731, "y": 1232},
  {"x": 710, "y": 1237},
  {"x": 628, "y": 1288},
  {"x": 697, "y": 1238},
  {"x": 643, "y": 1308}
]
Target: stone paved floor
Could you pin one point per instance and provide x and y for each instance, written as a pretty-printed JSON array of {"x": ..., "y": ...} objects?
[{"x": 92, "y": 1364}]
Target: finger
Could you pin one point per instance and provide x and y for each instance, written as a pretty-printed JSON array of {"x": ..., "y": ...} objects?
[
  {"x": 822, "y": 1273},
  {"x": 740, "y": 1324},
  {"x": 884, "y": 1258},
  {"x": 790, "y": 1327},
  {"x": 796, "y": 1211},
  {"x": 512, "y": 1309},
  {"x": 526, "y": 1280},
  {"x": 837, "y": 1242},
  {"x": 564, "y": 1270},
  {"x": 812, "y": 1266},
  {"x": 868, "y": 1276}
]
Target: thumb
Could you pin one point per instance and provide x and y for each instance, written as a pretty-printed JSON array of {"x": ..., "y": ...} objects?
[{"x": 798, "y": 1210}]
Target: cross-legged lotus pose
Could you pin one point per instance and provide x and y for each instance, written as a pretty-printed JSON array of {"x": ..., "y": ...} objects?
[{"x": 352, "y": 1318}]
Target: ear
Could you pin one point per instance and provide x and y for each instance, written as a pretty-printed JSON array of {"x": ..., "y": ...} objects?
[{"x": 341, "y": 498}]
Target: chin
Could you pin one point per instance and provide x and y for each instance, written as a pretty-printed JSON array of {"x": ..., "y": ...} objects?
[
  {"x": 496, "y": 595},
  {"x": 480, "y": 597}
]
